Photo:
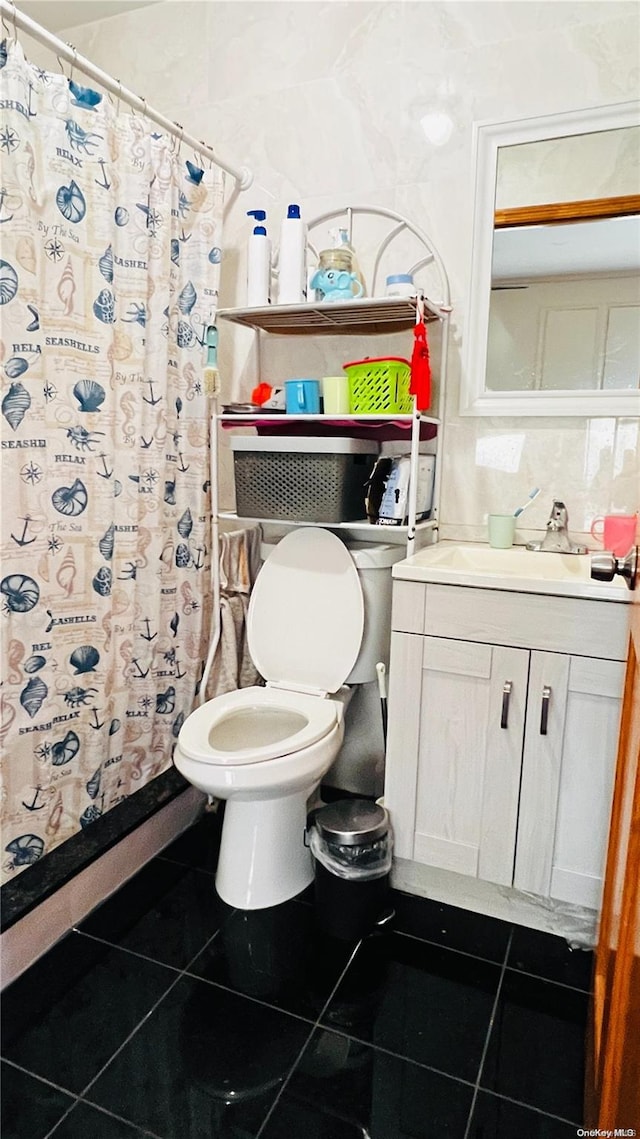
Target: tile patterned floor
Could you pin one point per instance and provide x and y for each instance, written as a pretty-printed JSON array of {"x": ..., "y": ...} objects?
[{"x": 168, "y": 1014}]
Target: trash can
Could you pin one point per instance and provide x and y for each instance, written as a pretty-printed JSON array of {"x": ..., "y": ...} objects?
[{"x": 351, "y": 843}]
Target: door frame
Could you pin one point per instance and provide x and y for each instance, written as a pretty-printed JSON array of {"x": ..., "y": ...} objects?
[{"x": 612, "y": 1092}]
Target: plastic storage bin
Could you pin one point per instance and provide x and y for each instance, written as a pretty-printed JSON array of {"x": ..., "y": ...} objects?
[
  {"x": 302, "y": 479},
  {"x": 351, "y": 844},
  {"x": 379, "y": 385}
]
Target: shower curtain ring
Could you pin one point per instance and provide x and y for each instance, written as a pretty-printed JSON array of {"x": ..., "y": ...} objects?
[
  {"x": 15, "y": 26},
  {"x": 144, "y": 104},
  {"x": 118, "y": 96},
  {"x": 203, "y": 153},
  {"x": 73, "y": 61},
  {"x": 180, "y": 138}
]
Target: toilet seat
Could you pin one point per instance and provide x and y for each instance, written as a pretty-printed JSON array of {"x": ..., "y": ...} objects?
[{"x": 206, "y": 726}]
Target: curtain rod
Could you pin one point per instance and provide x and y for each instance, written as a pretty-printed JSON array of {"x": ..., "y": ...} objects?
[{"x": 243, "y": 176}]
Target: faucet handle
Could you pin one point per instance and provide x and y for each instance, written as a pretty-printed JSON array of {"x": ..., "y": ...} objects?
[
  {"x": 604, "y": 567},
  {"x": 559, "y": 517}
]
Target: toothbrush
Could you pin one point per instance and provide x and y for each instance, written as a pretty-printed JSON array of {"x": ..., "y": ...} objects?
[{"x": 532, "y": 494}]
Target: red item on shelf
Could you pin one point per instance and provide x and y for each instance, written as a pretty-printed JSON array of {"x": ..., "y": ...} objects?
[
  {"x": 261, "y": 394},
  {"x": 420, "y": 385}
]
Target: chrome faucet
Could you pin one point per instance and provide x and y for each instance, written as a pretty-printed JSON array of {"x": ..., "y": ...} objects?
[{"x": 556, "y": 539}]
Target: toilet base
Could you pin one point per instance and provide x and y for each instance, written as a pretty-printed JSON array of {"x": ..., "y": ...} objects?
[{"x": 263, "y": 860}]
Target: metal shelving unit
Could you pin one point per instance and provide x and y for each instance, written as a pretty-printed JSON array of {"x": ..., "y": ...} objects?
[
  {"x": 363, "y": 316},
  {"x": 361, "y": 528}
]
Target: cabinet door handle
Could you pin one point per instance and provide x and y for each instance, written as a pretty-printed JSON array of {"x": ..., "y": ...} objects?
[
  {"x": 544, "y": 710},
  {"x": 506, "y": 695}
]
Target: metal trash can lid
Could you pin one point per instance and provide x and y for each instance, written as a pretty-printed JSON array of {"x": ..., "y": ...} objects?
[{"x": 351, "y": 822}]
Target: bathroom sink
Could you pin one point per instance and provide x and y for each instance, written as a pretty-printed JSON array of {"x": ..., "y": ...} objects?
[{"x": 516, "y": 569}]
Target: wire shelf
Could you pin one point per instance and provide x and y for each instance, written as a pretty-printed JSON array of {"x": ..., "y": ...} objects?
[{"x": 368, "y": 316}]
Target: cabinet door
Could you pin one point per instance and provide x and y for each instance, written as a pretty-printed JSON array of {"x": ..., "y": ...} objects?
[
  {"x": 401, "y": 768},
  {"x": 567, "y": 776},
  {"x": 469, "y": 757}
]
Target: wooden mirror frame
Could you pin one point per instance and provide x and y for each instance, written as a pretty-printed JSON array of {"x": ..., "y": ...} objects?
[
  {"x": 588, "y": 209},
  {"x": 488, "y": 138}
]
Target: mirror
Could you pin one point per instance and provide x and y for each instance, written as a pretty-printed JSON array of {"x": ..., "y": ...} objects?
[{"x": 554, "y": 312}]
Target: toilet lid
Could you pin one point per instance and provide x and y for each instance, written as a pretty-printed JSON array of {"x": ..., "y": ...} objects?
[{"x": 306, "y": 613}]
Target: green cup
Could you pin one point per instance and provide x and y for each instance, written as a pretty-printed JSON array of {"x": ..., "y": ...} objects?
[{"x": 502, "y": 529}]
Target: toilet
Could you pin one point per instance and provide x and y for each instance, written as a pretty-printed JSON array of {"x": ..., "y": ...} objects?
[{"x": 265, "y": 749}]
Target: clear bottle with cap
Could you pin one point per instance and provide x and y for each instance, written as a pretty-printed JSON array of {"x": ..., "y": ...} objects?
[
  {"x": 341, "y": 258},
  {"x": 341, "y": 242},
  {"x": 292, "y": 259},
  {"x": 258, "y": 263}
]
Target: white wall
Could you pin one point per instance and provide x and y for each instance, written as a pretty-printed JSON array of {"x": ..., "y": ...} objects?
[{"x": 323, "y": 102}]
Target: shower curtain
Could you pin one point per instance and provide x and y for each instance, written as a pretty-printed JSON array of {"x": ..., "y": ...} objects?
[{"x": 109, "y": 267}]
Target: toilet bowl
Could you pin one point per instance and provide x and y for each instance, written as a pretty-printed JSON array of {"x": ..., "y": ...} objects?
[{"x": 265, "y": 750}]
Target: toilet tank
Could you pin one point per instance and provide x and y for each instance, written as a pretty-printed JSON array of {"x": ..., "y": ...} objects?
[{"x": 373, "y": 561}]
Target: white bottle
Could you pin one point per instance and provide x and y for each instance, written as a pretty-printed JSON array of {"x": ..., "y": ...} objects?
[
  {"x": 400, "y": 285},
  {"x": 292, "y": 259},
  {"x": 258, "y": 263}
]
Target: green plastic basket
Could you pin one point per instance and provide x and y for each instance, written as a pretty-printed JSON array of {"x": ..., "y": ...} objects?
[{"x": 379, "y": 385}]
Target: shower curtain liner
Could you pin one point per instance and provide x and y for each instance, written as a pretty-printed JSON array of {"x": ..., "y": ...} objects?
[{"x": 109, "y": 270}]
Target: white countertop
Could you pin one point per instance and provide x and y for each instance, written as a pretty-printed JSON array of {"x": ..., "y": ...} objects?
[{"x": 516, "y": 569}]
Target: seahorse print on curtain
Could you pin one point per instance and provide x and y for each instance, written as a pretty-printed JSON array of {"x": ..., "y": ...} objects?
[{"x": 109, "y": 268}]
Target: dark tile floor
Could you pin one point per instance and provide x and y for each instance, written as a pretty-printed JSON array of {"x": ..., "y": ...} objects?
[{"x": 168, "y": 1014}]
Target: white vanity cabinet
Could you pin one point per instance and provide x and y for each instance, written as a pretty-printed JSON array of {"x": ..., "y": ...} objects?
[{"x": 503, "y": 724}]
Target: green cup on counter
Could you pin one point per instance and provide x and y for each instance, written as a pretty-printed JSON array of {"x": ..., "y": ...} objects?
[{"x": 502, "y": 530}]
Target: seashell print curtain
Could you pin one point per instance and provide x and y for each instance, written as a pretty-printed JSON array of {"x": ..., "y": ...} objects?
[{"x": 109, "y": 267}]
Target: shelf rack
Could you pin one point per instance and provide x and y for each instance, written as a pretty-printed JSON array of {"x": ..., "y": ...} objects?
[
  {"x": 386, "y": 427},
  {"x": 366, "y": 316},
  {"x": 369, "y": 316},
  {"x": 360, "y": 528},
  {"x": 368, "y": 418}
]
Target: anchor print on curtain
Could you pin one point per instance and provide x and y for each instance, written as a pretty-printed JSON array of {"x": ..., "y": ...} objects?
[{"x": 109, "y": 267}]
